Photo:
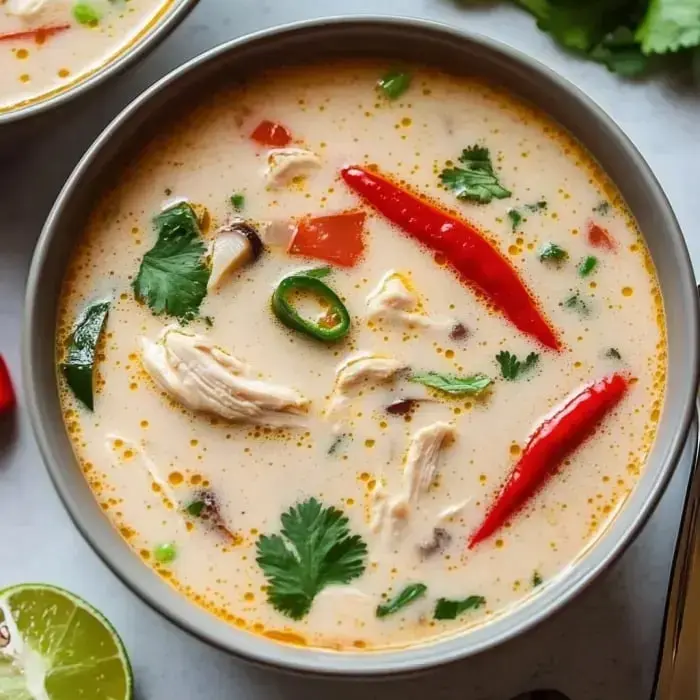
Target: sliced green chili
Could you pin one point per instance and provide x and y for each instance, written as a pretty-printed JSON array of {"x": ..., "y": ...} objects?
[{"x": 337, "y": 316}]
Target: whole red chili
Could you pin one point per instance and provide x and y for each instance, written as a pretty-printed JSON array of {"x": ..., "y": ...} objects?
[
  {"x": 478, "y": 263},
  {"x": 7, "y": 394},
  {"x": 550, "y": 444}
]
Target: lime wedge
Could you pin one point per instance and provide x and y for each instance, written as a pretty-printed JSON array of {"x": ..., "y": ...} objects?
[{"x": 54, "y": 646}]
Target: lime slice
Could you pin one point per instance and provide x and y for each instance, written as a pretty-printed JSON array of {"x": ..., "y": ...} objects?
[{"x": 54, "y": 646}]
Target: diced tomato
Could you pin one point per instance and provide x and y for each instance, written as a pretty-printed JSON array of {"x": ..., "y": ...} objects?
[
  {"x": 40, "y": 34},
  {"x": 599, "y": 237},
  {"x": 7, "y": 394},
  {"x": 338, "y": 239},
  {"x": 269, "y": 133}
]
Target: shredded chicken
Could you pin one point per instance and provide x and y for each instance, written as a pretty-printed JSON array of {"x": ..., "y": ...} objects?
[
  {"x": 203, "y": 377},
  {"x": 146, "y": 462},
  {"x": 24, "y": 8},
  {"x": 393, "y": 300},
  {"x": 419, "y": 473},
  {"x": 422, "y": 458},
  {"x": 359, "y": 369},
  {"x": 283, "y": 164},
  {"x": 453, "y": 511}
]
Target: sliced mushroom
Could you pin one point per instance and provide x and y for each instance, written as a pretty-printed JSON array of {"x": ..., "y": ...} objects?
[
  {"x": 284, "y": 164},
  {"x": 235, "y": 244},
  {"x": 437, "y": 544},
  {"x": 203, "y": 377}
]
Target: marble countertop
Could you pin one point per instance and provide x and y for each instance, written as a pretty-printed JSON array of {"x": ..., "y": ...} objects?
[{"x": 601, "y": 647}]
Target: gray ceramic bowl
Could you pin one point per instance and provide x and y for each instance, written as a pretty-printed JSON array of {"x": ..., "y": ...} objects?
[
  {"x": 172, "y": 15},
  {"x": 396, "y": 39}
]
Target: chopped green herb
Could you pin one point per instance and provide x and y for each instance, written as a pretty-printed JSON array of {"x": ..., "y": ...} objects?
[
  {"x": 208, "y": 320},
  {"x": 516, "y": 218},
  {"x": 314, "y": 549},
  {"x": 472, "y": 385},
  {"x": 576, "y": 303},
  {"x": 394, "y": 84},
  {"x": 552, "y": 252},
  {"x": 512, "y": 367},
  {"x": 86, "y": 14},
  {"x": 540, "y": 205},
  {"x": 79, "y": 365},
  {"x": 476, "y": 180},
  {"x": 168, "y": 191},
  {"x": 450, "y": 609},
  {"x": 602, "y": 208},
  {"x": 195, "y": 508},
  {"x": 165, "y": 553},
  {"x": 588, "y": 264},
  {"x": 613, "y": 354},
  {"x": 337, "y": 443},
  {"x": 536, "y": 579},
  {"x": 408, "y": 595},
  {"x": 173, "y": 276},
  {"x": 317, "y": 272},
  {"x": 237, "y": 201}
]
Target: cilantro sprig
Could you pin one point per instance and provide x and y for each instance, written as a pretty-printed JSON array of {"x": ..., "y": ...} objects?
[
  {"x": 314, "y": 549},
  {"x": 173, "y": 276},
  {"x": 512, "y": 367},
  {"x": 412, "y": 592},
  {"x": 476, "y": 180},
  {"x": 623, "y": 35},
  {"x": 446, "y": 609}
]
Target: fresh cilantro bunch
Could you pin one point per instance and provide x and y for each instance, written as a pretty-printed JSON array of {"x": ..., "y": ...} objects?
[
  {"x": 624, "y": 35},
  {"x": 314, "y": 549}
]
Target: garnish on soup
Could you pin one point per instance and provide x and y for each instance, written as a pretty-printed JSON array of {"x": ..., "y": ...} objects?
[
  {"x": 314, "y": 549},
  {"x": 410, "y": 593},
  {"x": 512, "y": 367},
  {"x": 476, "y": 180}
]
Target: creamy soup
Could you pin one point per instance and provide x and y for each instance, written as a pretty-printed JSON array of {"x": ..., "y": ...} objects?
[
  {"x": 372, "y": 363},
  {"x": 47, "y": 45}
]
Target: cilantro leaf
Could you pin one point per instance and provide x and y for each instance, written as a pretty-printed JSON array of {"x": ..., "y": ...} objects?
[
  {"x": 587, "y": 265},
  {"x": 670, "y": 25},
  {"x": 394, "y": 84},
  {"x": 620, "y": 53},
  {"x": 516, "y": 218},
  {"x": 552, "y": 252},
  {"x": 410, "y": 593},
  {"x": 512, "y": 367},
  {"x": 314, "y": 549},
  {"x": 476, "y": 181},
  {"x": 450, "y": 609},
  {"x": 172, "y": 278},
  {"x": 472, "y": 385}
]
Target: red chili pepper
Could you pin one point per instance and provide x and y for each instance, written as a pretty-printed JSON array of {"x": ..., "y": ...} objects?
[
  {"x": 599, "y": 237},
  {"x": 40, "y": 33},
  {"x": 549, "y": 445},
  {"x": 269, "y": 133},
  {"x": 478, "y": 263},
  {"x": 7, "y": 394}
]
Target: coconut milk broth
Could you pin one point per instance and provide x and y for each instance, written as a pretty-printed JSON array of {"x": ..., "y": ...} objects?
[
  {"x": 257, "y": 473},
  {"x": 32, "y": 66}
]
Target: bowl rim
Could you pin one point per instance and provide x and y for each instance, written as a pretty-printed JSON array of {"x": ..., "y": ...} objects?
[
  {"x": 146, "y": 40},
  {"x": 525, "y": 615}
]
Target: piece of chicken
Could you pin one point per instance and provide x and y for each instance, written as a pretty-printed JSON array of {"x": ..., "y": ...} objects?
[
  {"x": 422, "y": 459},
  {"x": 393, "y": 300},
  {"x": 419, "y": 473},
  {"x": 203, "y": 377},
  {"x": 360, "y": 369},
  {"x": 284, "y": 164},
  {"x": 25, "y": 8}
]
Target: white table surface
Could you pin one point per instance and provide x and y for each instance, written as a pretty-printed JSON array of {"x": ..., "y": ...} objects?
[{"x": 602, "y": 647}]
